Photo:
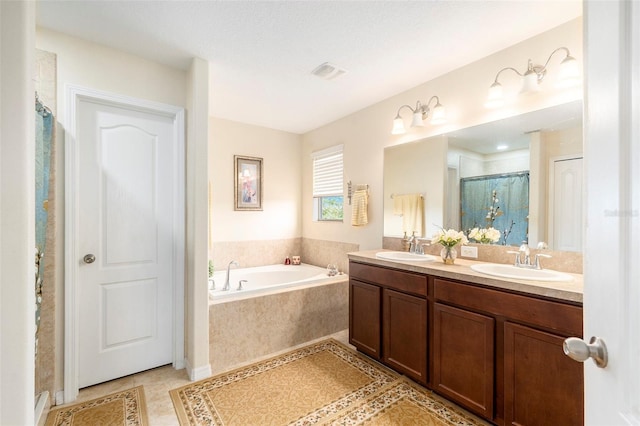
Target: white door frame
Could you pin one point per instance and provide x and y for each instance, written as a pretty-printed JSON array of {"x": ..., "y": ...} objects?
[{"x": 73, "y": 94}]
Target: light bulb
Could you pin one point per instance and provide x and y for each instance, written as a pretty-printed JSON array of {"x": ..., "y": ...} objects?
[
  {"x": 416, "y": 121},
  {"x": 569, "y": 74},
  {"x": 530, "y": 83},
  {"x": 439, "y": 116},
  {"x": 495, "y": 98},
  {"x": 398, "y": 126}
]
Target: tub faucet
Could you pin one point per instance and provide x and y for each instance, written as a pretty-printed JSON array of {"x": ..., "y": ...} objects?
[{"x": 226, "y": 281}]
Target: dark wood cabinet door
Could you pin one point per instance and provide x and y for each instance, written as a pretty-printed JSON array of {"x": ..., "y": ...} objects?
[
  {"x": 463, "y": 358},
  {"x": 404, "y": 331},
  {"x": 542, "y": 385},
  {"x": 364, "y": 317}
]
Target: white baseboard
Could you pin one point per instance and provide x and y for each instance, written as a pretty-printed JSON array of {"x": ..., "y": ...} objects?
[
  {"x": 198, "y": 373},
  {"x": 180, "y": 364},
  {"x": 59, "y": 398},
  {"x": 42, "y": 408}
]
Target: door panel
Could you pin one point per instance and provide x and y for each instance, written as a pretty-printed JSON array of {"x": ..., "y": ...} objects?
[
  {"x": 364, "y": 317},
  {"x": 542, "y": 386},
  {"x": 125, "y": 219},
  {"x": 463, "y": 345},
  {"x": 404, "y": 330},
  {"x": 128, "y": 157},
  {"x": 129, "y": 309},
  {"x": 612, "y": 169},
  {"x": 565, "y": 231}
]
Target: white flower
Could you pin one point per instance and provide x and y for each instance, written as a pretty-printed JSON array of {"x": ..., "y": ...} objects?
[
  {"x": 449, "y": 238},
  {"x": 485, "y": 235}
]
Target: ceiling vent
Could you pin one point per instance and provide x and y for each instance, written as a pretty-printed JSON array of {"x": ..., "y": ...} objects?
[{"x": 328, "y": 71}]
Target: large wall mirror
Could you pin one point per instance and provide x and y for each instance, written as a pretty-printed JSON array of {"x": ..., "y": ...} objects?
[{"x": 523, "y": 175}]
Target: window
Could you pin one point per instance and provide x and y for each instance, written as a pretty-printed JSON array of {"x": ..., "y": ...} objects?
[{"x": 328, "y": 184}]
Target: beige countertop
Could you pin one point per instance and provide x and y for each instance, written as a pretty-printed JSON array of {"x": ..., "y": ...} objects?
[{"x": 570, "y": 291}]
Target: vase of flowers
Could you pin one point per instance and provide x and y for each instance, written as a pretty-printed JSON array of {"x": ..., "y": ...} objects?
[
  {"x": 485, "y": 235},
  {"x": 449, "y": 239}
]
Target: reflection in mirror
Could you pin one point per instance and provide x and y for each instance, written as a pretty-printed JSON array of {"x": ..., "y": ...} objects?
[
  {"x": 495, "y": 202},
  {"x": 547, "y": 143},
  {"x": 414, "y": 174}
]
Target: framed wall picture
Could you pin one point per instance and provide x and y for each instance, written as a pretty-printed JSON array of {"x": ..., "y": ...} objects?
[{"x": 248, "y": 183}]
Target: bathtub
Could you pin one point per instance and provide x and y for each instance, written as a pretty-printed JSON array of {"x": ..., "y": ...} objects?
[
  {"x": 261, "y": 280},
  {"x": 280, "y": 306}
]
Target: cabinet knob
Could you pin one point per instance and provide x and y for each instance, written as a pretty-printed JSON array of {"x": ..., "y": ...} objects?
[
  {"x": 581, "y": 351},
  {"x": 89, "y": 258}
]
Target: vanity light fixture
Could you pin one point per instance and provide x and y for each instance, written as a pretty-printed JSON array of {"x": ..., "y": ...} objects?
[
  {"x": 420, "y": 113},
  {"x": 569, "y": 76}
]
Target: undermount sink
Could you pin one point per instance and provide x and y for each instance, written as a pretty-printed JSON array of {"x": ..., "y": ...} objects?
[
  {"x": 406, "y": 256},
  {"x": 510, "y": 271}
]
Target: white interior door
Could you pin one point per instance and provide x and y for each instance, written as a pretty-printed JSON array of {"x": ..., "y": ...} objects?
[
  {"x": 565, "y": 232},
  {"x": 612, "y": 238},
  {"x": 124, "y": 247}
]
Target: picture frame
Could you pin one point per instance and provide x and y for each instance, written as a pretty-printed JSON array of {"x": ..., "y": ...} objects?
[{"x": 247, "y": 172}]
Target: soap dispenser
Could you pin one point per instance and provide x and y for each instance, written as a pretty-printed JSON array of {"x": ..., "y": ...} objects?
[{"x": 405, "y": 242}]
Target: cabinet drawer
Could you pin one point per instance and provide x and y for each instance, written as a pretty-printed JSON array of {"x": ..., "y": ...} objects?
[
  {"x": 390, "y": 278},
  {"x": 563, "y": 318}
]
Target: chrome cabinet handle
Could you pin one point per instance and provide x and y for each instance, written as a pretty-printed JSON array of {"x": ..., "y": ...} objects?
[
  {"x": 580, "y": 350},
  {"x": 89, "y": 258}
]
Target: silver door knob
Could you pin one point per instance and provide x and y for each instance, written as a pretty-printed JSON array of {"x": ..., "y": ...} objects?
[
  {"x": 89, "y": 258},
  {"x": 581, "y": 351}
]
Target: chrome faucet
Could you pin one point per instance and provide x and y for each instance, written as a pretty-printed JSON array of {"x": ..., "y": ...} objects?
[
  {"x": 226, "y": 281},
  {"x": 240, "y": 284},
  {"x": 524, "y": 249},
  {"x": 412, "y": 242},
  {"x": 526, "y": 262},
  {"x": 418, "y": 246}
]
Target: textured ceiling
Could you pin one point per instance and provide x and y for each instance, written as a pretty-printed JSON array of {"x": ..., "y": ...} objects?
[{"x": 262, "y": 52}]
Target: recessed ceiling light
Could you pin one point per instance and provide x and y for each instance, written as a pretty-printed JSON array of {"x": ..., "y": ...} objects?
[{"x": 502, "y": 147}]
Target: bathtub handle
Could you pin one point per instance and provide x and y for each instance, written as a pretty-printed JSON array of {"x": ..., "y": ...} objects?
[{"x": 240, "y": 284}]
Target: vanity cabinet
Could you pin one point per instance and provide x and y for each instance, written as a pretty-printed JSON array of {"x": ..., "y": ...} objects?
[
  {"x": 494, "y": 352},
  {"x": 388, "y": 317},
  {"x": 534, "y": 383}
]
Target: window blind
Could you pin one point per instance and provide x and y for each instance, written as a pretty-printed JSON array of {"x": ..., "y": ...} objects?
[{"x": 328, "y": 172}]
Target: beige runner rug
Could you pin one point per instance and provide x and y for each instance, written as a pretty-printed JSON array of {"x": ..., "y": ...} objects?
[
  {"x": 124, "y": 408},
  {"x": 324, "y": 383}
]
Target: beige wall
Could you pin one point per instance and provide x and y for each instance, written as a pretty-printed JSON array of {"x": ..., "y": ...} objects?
[
  {"x": 95, "y": 66},
  {"x": 17, "y": 213},
  {"x": 463, "y": 92},
  {"x": 280, "y": 151}
]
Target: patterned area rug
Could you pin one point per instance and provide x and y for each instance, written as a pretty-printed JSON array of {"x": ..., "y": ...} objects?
[
  {"x": 321, "y": 384},
  {"x": 124, "y": 408}
]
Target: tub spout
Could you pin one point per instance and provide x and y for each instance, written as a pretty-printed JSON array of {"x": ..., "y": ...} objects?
[{"x": 226, "y": 281}]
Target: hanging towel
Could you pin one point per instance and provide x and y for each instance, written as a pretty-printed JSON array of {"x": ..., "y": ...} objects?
[
  {"x": 411, "y": 208},
  {"x": 360, "y": 202}
]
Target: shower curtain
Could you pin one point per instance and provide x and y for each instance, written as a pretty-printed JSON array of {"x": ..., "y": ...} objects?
[
  {"x": 44, "y": 134},
  {"x": 512, "y": 194}
]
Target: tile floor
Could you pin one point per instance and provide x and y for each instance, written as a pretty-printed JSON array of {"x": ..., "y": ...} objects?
[{"x": 159, "y": 381}]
